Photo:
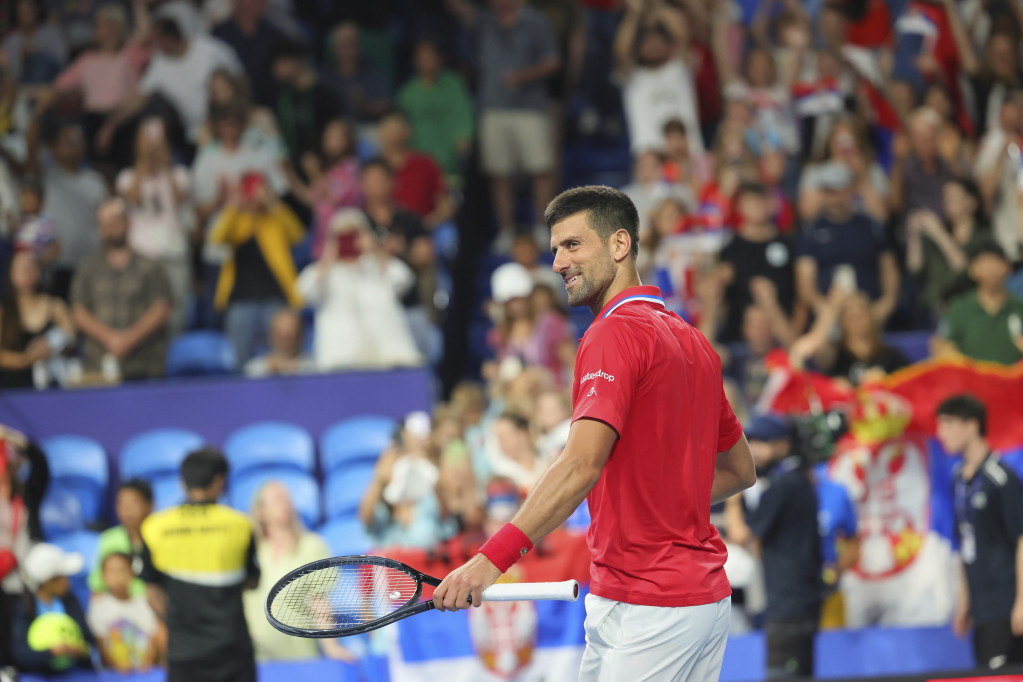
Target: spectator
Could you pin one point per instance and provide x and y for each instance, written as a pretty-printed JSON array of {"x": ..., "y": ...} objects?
[
  {"x": 233, "y": 153},
  {"x": 997, "y": 169},
  {"x": 519, "y": 331},
  {"x": 175, "y": 82},
  {"x": 439, "y": 110},
  {"x": 34, "y": 327},
  {"x": 253, "y": 38},
  {"x": 859, "y": 355},
  {"x": 286, "y": 356},
  {"x": 126, "y": 629},
  {"x": 108, "y": 75},
  {"x": 986, "y": 324},
  {"x": 936, "y": 249},
  {"x": 511, "y": 452},
  {"x": 919, "y": 172},
  {"x": 355, "y": 288},
  {"x": 367, "y": 92},
  {"x": 21, "y": 493},
  {"x": 418, "y": 181},
  {"x": 551, "y": 423},
  {"x": 73, "y": 194},
  {"x": 36, "y": 51},
  {"x": 259, "y": 127},
  {"x": 517, "y": 56},
  {"x": 648, "y": 188},
  {"x": 47, "y": 569},
  {"x": 157, "y": 194},
  {"x": 845, "y": 246},
  {"x": 404, "y": 237},
  {"x": 782, "y": 524},
  {"x": 197, "y": 595},
  {"x": 134, "y": 505},
  {"x": 989, "y": 534},
  {"x": 526, "y": 252},
  {"x": 400, "y": 507},
  {"x": 333, "y": 173},
  {"x": 259, "y": 277},
  {"x": 748, "y": 367},
  {"x": 653, "y": 56},
  {"x": 685, "y": 171},
  {"x": 35, "y": 232},
  {"x": 999, "y": 75},
  {"x": 456, "y": 482},
  {"x": 756, "y": 265},
  {"x": 846, "y": 144},
  {"x": 283, "y": 545},
  {"x": 121, "y": 302},
  {"x": 304, "y": 102}
]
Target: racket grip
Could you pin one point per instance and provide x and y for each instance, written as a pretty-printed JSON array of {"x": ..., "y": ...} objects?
[{"x": 567, "y": 590}]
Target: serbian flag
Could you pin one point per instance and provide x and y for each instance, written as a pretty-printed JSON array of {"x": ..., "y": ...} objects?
[{"x": 795, "y": 391}]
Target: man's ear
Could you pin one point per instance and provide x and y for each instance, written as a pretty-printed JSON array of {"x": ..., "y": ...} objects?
[{"x": 621, "y": 245}]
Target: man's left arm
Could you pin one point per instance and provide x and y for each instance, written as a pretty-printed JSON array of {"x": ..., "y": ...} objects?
[
  {"x": 252, "y": 571},
  {"x": 889, "y": 269},
  {"x": 560, "y": 490}
]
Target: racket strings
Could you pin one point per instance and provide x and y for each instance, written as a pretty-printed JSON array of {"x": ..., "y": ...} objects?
[{"x": 343, "y": 596}]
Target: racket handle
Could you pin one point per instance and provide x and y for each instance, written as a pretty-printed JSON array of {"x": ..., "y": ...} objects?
[{"x": 567, "y": 590}]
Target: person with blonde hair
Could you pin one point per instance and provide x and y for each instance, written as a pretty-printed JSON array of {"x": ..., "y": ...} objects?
[
  {"x": 355, "y": 288},
  {"x": 283, "y": 544}
]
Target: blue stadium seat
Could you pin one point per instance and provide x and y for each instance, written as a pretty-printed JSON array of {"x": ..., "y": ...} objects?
[
  {"x": 270, "y": 444},
  {"x": 305, "y": 493},
  {"x": 62, "y": 510},
  {"x": 345, "y": 488},
  {"x": 167, "y": 491},
  {"x": 78, "y": 458},
  {"x": 200, "y": 353},
  {"x": 84, "y": 542},
  {"x": 355, "y": 439},
  {"x": 157, "y": 453},
  {"x": 346, "y": 536}
]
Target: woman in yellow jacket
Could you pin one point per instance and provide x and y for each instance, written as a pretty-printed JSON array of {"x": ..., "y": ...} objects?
[{"x": 259, "y": 277}]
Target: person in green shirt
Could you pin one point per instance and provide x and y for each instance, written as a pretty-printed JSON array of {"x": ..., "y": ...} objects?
[
  {"x": 987, "y": 323},
  {"x": 134, "y": 504},
  {"x": 440, "y": 111}
]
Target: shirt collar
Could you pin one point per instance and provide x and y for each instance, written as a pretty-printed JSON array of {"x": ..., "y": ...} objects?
[{"x": 640, "y": 294}]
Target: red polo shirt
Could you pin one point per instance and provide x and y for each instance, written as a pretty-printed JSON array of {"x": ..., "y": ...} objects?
[{"x": 656, "y": 381}]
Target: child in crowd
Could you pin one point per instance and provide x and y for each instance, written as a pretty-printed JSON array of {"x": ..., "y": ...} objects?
[
  {"x": 126, "y": 629},
  {"x": 35, "y": 232},
  {"x": 134, "y": 504}
]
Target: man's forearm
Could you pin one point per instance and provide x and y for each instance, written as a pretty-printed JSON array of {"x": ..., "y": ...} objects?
[
  {"x": 152, "y": 320},
  {"x": 726, "y": 484},
  {"x": 1019, "y": 570},
  {"x": 157, "y": 599},
  {"x": 89, "y": 325},
  {"x": 544, "y": 69},
  {"x": 560, "y": 490}
]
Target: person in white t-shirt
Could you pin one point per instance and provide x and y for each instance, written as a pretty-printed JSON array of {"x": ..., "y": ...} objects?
[
  {"x": 178, "y": 71},
  {"x": 653, "y": 57},
  {"x": 157, "y": 195},
  {"x": 125, "y": 626}
]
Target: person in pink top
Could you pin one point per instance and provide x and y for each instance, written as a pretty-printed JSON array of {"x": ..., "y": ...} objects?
[
  {"x": 109, "y": 74},
  {"x": 334, "y": 178}
]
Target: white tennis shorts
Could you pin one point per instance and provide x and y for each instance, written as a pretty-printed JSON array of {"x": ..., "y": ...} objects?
[{"x": 630, "y": 643}]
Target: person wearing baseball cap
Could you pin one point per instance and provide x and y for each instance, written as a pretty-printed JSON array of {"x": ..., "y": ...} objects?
[
  {"x": 778, "y": 520},
  {"x": 986, "y": 323},
  {"x": 41, "y": 640}
]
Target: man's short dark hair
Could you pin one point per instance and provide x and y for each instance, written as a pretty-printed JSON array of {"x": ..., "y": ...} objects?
[
  {"x": 607, "y": 211},
  {"x": 987, "y": 247},
  {"x": 378, "y": 162},
  {"x": 116, "y": 555},
  {"x": 169, "y": 29},
  {"x": 674, "y": 125},
  {"x": 140, "y": 486},
  {"x": 517, "y": 420},
  {"x": 966, "y": 407},
  {"x": 751, "y": 187},
  {"x": 288, "y": 49},
  {"x": 202, "y": 466}
]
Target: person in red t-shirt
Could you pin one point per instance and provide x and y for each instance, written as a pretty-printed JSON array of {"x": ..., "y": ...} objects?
[
  {"x": 418, "y": 181},
  {"x": 653, "y": 443}
]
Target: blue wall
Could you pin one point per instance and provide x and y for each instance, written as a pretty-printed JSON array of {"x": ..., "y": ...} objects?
[{"x": 213, "y": 407}]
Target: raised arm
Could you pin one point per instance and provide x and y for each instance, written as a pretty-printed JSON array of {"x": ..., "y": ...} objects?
[{"x": 625, "y": 39}]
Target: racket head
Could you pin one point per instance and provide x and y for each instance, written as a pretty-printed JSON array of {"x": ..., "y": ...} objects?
[{"x": 346, "y": 595}]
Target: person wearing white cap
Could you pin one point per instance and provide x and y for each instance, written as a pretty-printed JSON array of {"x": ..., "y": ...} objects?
[
  {"x": 519, "y": 332},
  {"x": 37, "y": 647}
]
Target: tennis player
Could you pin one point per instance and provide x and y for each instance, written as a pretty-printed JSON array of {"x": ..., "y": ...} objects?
[{"x": 653, "y": 444}]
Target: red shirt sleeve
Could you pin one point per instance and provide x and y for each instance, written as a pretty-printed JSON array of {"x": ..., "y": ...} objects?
[
  {"x": 607, "y": 372},
  {"x": 729, "y": 428}
]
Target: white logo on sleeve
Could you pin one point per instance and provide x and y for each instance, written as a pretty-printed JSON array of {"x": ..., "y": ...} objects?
[
  {"x": 599, "y": 374},
  {"x": 593, "y": 391}
]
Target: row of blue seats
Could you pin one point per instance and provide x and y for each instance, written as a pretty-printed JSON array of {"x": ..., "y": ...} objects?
[{"x": 257, "y": 453}]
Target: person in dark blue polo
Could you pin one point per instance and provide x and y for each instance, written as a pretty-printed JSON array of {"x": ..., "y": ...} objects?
[
  {"x": 845, "y": 248},
  {"x": 781, "y": 521}
]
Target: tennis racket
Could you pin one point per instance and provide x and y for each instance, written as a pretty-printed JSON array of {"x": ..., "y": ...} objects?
[{"x": 350, "y": 595}]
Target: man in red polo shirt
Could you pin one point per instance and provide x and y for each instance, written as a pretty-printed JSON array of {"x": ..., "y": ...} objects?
[{"x": 653, "y": 444}]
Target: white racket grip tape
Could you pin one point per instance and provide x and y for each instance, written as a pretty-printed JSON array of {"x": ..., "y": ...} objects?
[{"x": 567, "y": 590}]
